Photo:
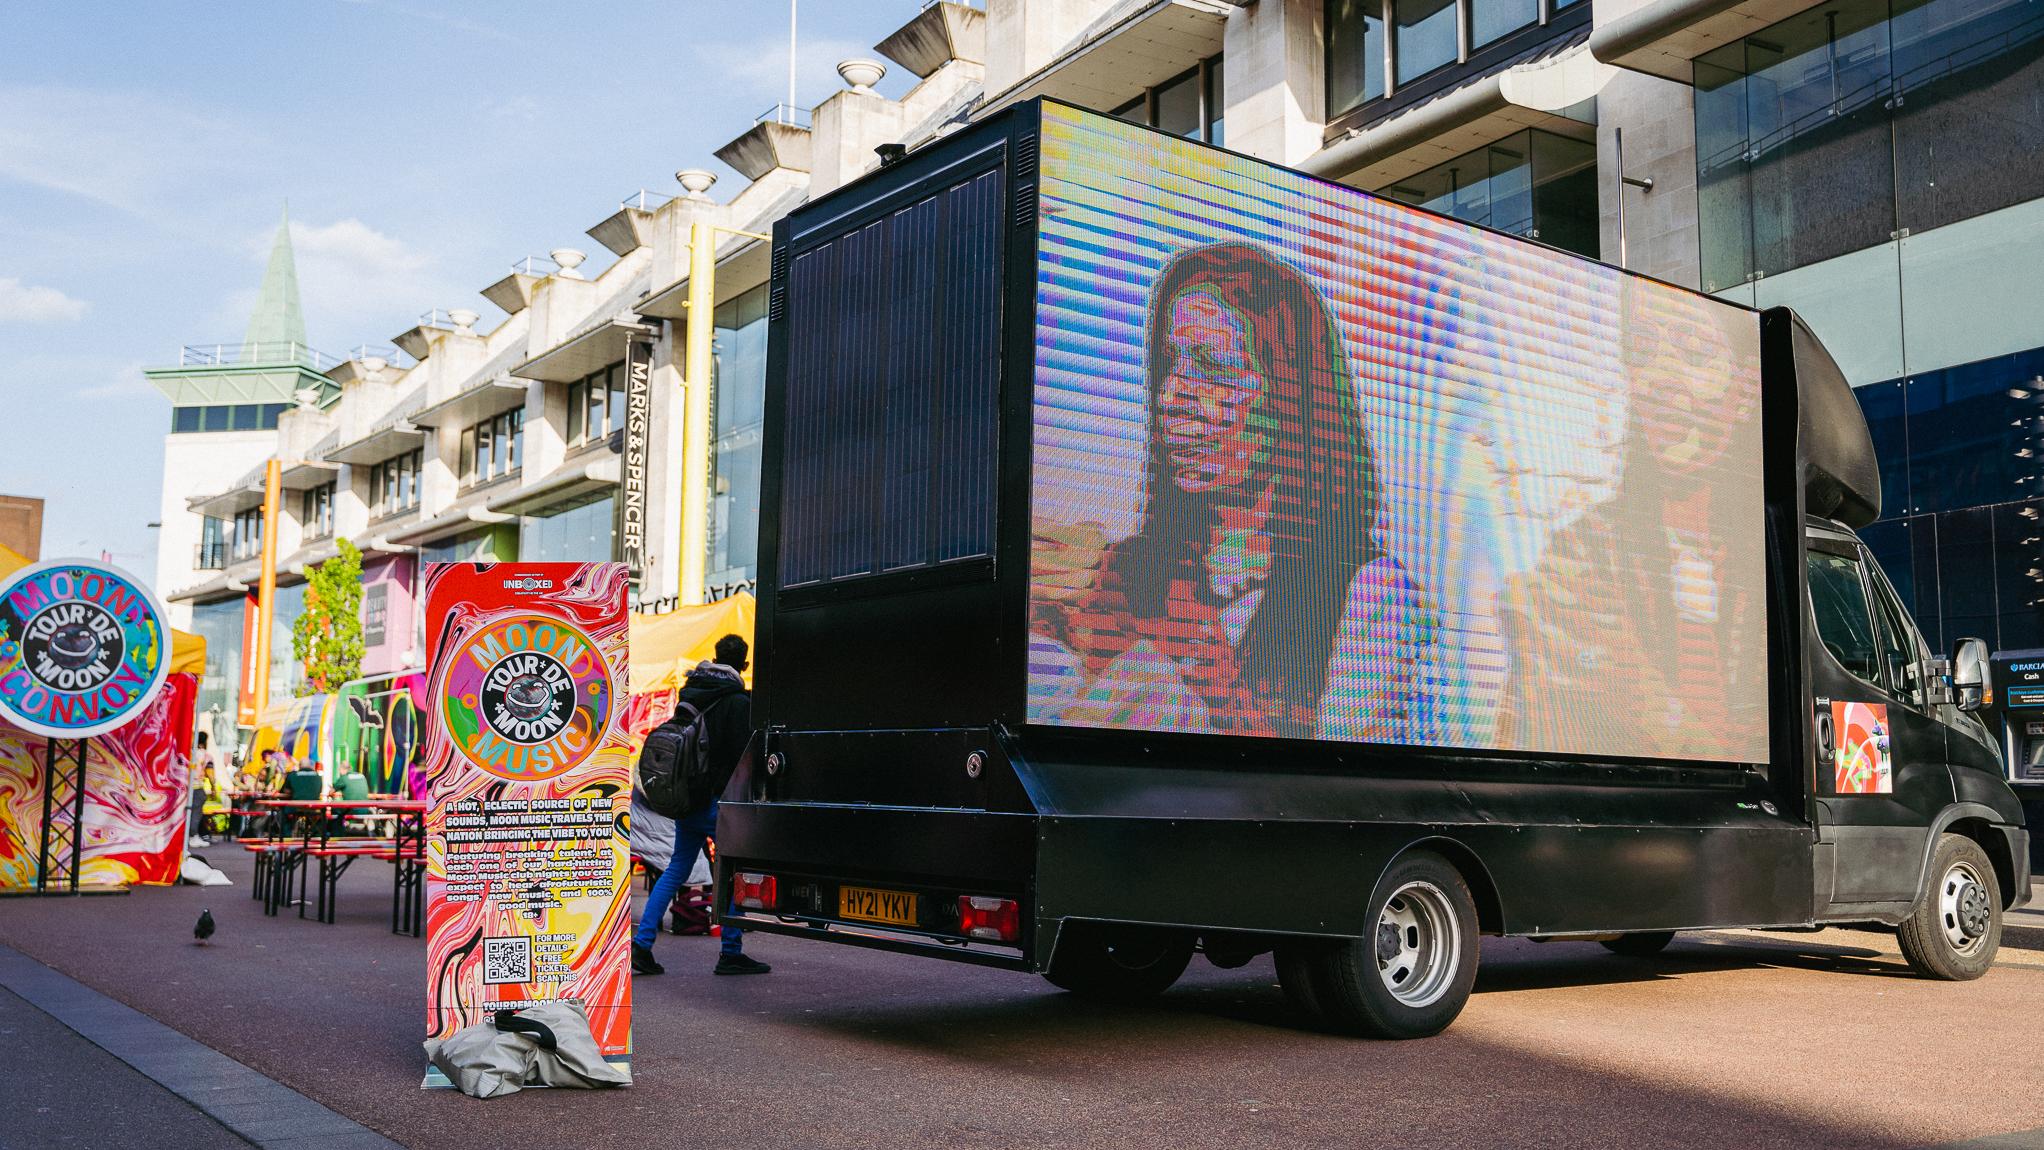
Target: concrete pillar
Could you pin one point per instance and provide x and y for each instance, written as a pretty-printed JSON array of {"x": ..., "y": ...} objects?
[
  {"x": 1273, "y": 73},
  {"x": 1658, "y": 119},
  {"x": 1022, "y": 36}
]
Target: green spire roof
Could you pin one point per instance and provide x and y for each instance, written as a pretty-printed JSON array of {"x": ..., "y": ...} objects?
[{"x": 277, "y": 319}]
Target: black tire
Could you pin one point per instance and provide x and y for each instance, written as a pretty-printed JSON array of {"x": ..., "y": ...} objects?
[
  {"x": 1103, "y": 960},
  {"x": 1298, "y": 964},
  {"x": 1412, "y": 975},
  {"x": 1955, "y": 928},
  {"x": 1641, "y": 944}
]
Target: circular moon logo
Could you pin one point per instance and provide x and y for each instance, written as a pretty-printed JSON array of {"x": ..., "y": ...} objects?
[
  {"x": 527, "y": 698},
  {"x": 83, "y": 648}
]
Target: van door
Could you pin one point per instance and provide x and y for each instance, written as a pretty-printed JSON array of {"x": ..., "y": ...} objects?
[{"x": 1882, "y": 777}]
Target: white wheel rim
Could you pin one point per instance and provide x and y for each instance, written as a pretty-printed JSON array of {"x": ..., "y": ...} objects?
[
  {"x": 1965, "y": 908},
  {"x": 1418, "y": 944}
]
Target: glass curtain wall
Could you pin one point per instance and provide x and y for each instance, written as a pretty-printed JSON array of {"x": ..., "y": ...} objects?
[
  {"x": 581, "y": 530},
  {"x": 1962, "y": 497},
  {"x": 1191, "y": 104},
  {"x": 1534, "y": 184},
  {"x": 738, "y": 398},
  {"x": 1880, "y": 166},
  {"x": 220, "y": 686}
]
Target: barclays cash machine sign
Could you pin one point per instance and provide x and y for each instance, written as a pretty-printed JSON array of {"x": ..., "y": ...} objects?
[{"x": 83, "y": 648}]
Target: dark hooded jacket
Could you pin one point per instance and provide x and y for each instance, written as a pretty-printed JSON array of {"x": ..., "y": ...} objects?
[{"x": 719, "y": 692}]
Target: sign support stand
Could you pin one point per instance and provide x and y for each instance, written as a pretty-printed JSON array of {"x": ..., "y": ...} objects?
[{"x": 63, "y": 785}]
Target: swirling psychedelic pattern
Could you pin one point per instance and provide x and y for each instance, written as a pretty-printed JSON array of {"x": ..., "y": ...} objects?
[
  {"x": 136, "y": 787},
  {"x": 545, "y": 913}
]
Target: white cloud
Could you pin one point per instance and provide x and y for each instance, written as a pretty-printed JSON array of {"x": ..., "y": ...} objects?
[
  {"x": 761, "y": 65},
  {"x": 124, "y": 382},
  {"x": 133, "y": 151},
  {"x": 29, "y": 303},
  {"x": 351, "y": 274}
]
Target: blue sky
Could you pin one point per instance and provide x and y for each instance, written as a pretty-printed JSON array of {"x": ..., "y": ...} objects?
[{"x": 147, "y": 149}]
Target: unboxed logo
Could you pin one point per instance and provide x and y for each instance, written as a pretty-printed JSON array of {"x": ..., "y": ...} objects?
[{"x": 528, "y": 583}]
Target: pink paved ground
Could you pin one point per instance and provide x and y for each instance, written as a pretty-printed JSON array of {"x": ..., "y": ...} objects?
[{"x": 1728, "y": 1040}]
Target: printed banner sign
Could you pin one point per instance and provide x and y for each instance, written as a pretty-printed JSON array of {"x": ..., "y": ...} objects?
[
  {"x": 83, "y": 648},
  {"x": 638, "y": 445},
  {"x": 527, "y": 779},
  {"x": 1860, "y": 749}
]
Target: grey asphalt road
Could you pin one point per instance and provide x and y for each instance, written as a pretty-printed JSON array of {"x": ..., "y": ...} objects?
[{"x": 1733, "y": 1040}]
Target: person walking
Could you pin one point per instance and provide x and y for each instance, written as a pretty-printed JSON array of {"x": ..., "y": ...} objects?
[{"x": 716, "y": 689}]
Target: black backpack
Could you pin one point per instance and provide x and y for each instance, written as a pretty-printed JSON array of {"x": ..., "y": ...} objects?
[{"x": 674, "y": 765}]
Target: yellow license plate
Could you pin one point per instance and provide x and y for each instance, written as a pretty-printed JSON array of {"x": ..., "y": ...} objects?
[{"x": 893, "y": 907}]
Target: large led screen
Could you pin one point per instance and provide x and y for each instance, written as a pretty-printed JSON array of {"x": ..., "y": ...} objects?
[{"x": 1312, "y": 464}]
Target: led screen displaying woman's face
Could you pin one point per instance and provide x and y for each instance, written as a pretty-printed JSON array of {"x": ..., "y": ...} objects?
[{"x": 1309, "y": 464}]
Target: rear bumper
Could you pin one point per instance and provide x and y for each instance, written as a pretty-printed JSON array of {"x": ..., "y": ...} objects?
[{"x": 935, "y": 855}]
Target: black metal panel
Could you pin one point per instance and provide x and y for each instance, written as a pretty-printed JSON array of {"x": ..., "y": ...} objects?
[
  {"x": 884, "y": 439},
  {"x": 907, "y": 846},
  {"x": 955, "y": 768},
  {"x": 1312, "y": 877}
]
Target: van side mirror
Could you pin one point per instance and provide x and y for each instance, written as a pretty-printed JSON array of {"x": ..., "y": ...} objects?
[{"x": 1970, "y": 684}]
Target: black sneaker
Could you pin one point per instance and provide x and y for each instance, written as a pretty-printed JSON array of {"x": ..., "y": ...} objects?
[
  {"x": 643, "y": 961},
  {"x": 739, "y": 964}
]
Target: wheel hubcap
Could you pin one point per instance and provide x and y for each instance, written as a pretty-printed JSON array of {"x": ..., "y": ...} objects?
[
  {"x": 1419, "y": 944},
  {"x": 1964, "y": 908}
]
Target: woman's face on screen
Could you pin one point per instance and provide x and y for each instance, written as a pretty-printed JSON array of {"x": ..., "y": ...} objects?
[{"x": 1212, "y": 435}]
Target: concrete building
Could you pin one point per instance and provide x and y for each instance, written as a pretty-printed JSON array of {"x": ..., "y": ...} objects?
[
  {"x": 21, "y": 525},
  {"x": 1876, "y": 166}
]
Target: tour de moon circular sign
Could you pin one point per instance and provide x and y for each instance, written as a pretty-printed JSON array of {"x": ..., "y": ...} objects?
[
  {"x": 527, "y": 697},
  {"x": 83, "y": 648}
]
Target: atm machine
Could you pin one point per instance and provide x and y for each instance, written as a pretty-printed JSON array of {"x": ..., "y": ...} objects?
[{"x": 2017, "y": 712}]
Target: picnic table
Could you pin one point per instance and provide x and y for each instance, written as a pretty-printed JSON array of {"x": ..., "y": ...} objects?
[{"x": 291, "y": 855}]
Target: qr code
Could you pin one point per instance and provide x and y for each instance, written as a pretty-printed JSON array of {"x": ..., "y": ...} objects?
[{"x": 507, "y": 960}]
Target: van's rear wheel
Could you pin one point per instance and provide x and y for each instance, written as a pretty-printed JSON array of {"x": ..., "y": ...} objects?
[
  {"x": 1956, "y": 927},
  {"x": 1640, "y": 944},
  {"x": 1113, "y": 960},
  {"x": 1411, "y": 976}
]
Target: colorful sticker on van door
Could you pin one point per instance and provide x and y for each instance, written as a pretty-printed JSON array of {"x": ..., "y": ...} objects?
[{"x": 1861, "y": 757}]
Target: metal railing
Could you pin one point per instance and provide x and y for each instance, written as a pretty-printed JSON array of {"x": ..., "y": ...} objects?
[
  {"x": 787, "y": 114},
  {"x": 537, "y": 266},
  {"x": 240, "y": 353},
  {"x": 645, "y": 201}
]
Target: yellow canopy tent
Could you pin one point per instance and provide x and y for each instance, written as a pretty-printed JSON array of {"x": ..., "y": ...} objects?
[
  {"x": 666, "y": 647},
  {"x": 187, "y": 652}
]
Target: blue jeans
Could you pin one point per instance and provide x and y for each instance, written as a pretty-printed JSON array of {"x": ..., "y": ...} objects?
[{"x": 690, "y": 833}]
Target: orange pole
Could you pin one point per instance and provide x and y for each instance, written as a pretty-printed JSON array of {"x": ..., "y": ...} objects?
[{"x": 266, "y": 589}]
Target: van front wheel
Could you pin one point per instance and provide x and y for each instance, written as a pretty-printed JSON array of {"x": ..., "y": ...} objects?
[
  {"x": 1411, "y": 975},
  {"x": 1954, "y": 931}
]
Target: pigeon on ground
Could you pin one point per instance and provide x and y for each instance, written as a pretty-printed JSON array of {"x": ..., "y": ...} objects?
[{"x": 204, "y": 930}]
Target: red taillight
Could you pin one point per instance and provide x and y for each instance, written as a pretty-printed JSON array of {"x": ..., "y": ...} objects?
[
  {"x": 994, "y": 919},
  {"x": 755, "y": 891}
]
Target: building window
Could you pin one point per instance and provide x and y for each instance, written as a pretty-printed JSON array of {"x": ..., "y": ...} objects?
[
  {"x": 1189, "y": 104},
  {"x": 188, "y": 419},
  {"x": 394, "y": 484},
  {"x": 213, "y": 541},
  {"x": 316, "y": 511},
  {"x": 596, "y": 405},
  {"x": 1424, "y": 37},
  {"x": 1355, "y": 54},
  {"x": 1411, "y": 40},
  {"x": 248, "y": 534},
  {"x": 493, "y": 448},
  {"x": 1534, "y": 184},
  {"x": 489, "y": 545},
  {"x": 737, "y": 406}
]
